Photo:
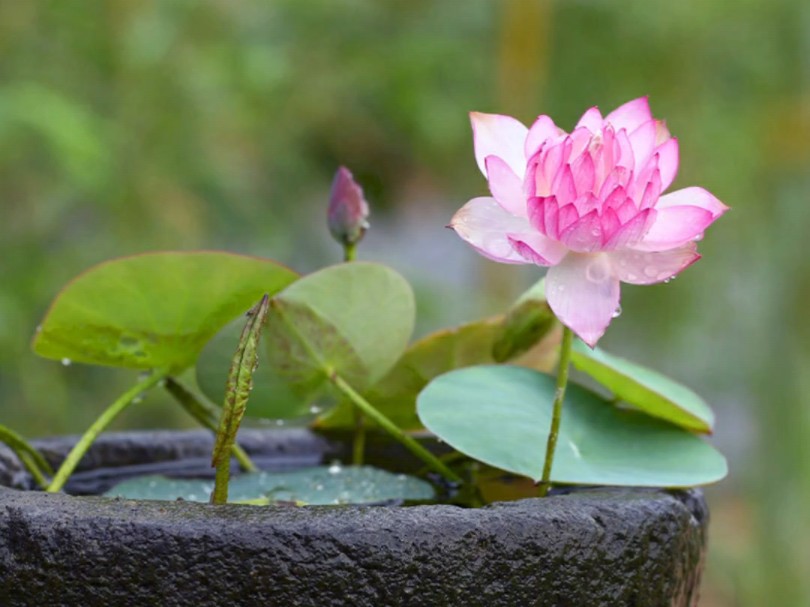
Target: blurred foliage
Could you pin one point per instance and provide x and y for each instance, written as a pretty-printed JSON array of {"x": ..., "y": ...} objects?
[{"x": 135, "y": 125}]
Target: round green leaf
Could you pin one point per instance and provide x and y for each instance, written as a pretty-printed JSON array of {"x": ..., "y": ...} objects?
[
  {"x": 645, "y": 389},
  {"x": 464, "y": 346},
  {"x": 352, "y": 319},
  {"x": 501, "y": 416},
  {"x": 155, "y": 310}
]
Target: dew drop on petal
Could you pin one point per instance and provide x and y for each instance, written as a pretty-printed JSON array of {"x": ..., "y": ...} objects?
[
  {"x": 617, "y": 312},
  {"x": 632, "y": 276},
  {"x": 335, "y": 468},
  {"x": 597, "y": 271},
  {"x": 651, "y": 271}
]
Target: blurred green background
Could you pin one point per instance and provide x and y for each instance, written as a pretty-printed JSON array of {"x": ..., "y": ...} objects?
[{"x": 136, "y": 125}]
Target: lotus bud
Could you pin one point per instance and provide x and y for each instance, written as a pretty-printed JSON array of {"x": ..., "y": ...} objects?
[{"x": 348, "y": 210}]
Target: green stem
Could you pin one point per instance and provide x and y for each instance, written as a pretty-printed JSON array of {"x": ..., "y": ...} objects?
[
  {"x": 349, "y": 252},
  {"x": 359, "y": 445},
  {"x": 412, "y": 445},
  {"x": 222, "y": 476},
  {"x": 206, "y": 416},
  {"x": 110, "y": 413},
  {"x": 556, "y": 415},
  {"x": 32, "y": 459},
  {"x": 35, "y": 471}
]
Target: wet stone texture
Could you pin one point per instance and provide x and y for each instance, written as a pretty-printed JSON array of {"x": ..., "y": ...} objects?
[{"x": 586, "y": 549}]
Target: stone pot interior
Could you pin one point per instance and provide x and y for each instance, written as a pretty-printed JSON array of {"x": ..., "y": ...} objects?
[{"x": 118, "y": 456}]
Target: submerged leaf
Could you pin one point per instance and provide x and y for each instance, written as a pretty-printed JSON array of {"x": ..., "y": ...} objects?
[{"x": 322, "y": 485}]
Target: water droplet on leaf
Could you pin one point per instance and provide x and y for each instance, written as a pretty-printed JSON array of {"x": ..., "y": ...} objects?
[{"x": 66, "y": 362}]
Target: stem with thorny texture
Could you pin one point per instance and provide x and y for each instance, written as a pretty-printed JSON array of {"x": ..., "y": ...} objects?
[
  {"x": 412, "y": 445},
  {"x": 556, "y": 415},
  {"x": 110, "y": 413},
  {"x": 237, "y": 392},
  {"x": 206, "y": 415}
]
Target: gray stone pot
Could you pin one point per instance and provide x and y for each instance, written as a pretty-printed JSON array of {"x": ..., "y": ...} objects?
[{"x": 589, "y": 548}]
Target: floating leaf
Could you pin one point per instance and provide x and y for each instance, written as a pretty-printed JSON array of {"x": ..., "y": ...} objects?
[
  {"x": 501, "y": 416},
  {"x": 155, "y": 310},
  {"x": 333, "y": 484},
  {"x": 353, "y": 319},
  {"x": 645, "y": 389},
  {"x": 470, "y": 344}
]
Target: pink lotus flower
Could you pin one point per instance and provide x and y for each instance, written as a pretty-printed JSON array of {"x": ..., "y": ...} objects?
[{"x": 586, "y": 204}]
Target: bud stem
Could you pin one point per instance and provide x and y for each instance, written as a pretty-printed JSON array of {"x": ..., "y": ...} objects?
[
  {"x": 349, "y": 252},
  {"x": 556, "y": 415},
  {"x": 359, "y": 445}
]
